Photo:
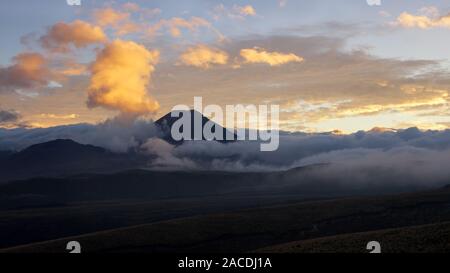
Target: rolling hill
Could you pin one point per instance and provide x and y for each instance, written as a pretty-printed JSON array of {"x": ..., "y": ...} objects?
[
  {"x": 259, "y": 228},
  {"x": 63, "y": 157}
]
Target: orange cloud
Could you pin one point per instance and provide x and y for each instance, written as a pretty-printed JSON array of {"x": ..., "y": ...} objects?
[
  {"x": 27, "y": 71},
  {"x": 429, "y": 19},
  {"x": 259, "y": 55},
  {"x": 78, "y": 33},
  {"x": 120, "y": 78},
  {"x": 56, "y": 116},
  {"x": 203, "y": 56}
]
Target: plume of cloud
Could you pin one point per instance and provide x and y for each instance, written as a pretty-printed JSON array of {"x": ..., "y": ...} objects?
[
  {"x": 28, "y": 70},
  {"x": 164, "y": 153},
  {"x": 120, "y": 78},
  {"x": 204, "y": 57},
  {"x": 260, "y": 55},
  {"x": 78, "y": 33}
]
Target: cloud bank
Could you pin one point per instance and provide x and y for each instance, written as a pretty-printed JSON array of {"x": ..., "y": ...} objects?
[{"x": 407, "y": 159}]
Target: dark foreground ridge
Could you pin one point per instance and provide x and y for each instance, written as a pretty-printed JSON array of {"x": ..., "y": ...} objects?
[{"x": 402, "y": 223}]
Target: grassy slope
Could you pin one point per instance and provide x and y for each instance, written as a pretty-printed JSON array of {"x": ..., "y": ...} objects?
[
  {"x": 433, "y": 238},
  {"x": 248, "y": 230}
]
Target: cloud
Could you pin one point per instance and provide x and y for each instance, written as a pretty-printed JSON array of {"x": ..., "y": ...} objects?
[
  {"x": 405, "y": 166},
  {"x": 78, "y": 33},
  {"x": 260, "y": 55},
  {"x": 406, "y": 156},
  {"x": 120, "y": 78},
  {"x": 235, "y": 13},
  {"x": 110, "y": 17},
  {"x": 118, "y": 134},
  {"x": 73, "y": 69},
  {"x": 176, "y": 24},
  {"x": 29, "y": 70},
  {"x": 379, "y": 160},
  {"x": 8, "y": 116},
  {"x": 334, "y": 88},
  {"x": 245, "y": 10},
  {"x": 429, "y": 18},
  {"x": 165, "y": 158},
  {"x": 56, "y": 116},
  {"x": 118, "y": 20},
  {"x": 203, "y": 56}
]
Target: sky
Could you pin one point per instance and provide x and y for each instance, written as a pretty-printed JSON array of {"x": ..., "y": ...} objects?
[{"x": 330, "y": 65}]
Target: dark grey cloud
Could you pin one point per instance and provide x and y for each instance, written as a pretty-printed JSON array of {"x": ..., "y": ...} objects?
[{"x": 9, "y": 116}]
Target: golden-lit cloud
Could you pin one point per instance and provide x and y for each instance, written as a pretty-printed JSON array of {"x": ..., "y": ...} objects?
[
  {"x": 78, "y": 33},
  {"x": 56, "y": 116},
  {"x": 27, "y": 71},
  {"x": 260, "y": 55},
  {"x": 246, "y": 10},
  {"x": 429, "y": 17},
  {"x": 203, "y": 56},
  {"x": 120, "y": 78}
]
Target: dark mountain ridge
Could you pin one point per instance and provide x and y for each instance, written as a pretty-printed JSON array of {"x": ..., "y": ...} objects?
[
  {"x": 63, "y": 157},
  {"x": 166, "y": 122}
]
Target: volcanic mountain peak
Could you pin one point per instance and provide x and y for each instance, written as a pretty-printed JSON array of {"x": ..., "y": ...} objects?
[{"x": 166, "y": 122}]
